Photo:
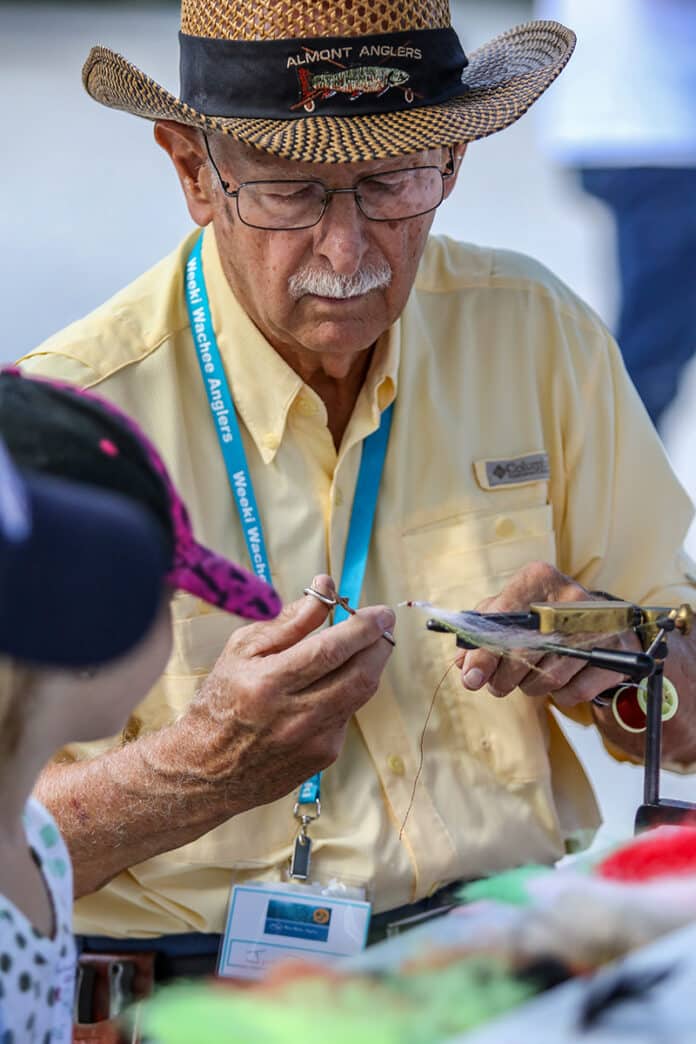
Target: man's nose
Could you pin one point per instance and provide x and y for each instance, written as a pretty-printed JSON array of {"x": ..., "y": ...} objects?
[{"x": 341, "y": 235}]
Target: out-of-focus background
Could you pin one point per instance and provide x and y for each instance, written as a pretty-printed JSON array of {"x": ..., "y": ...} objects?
[{"x": 87, "y": 201}]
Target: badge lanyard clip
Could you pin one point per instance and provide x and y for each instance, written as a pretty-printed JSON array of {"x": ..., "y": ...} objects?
[
  {"x": 301, "y": 859},
  {"x": 307, "y": 809}
]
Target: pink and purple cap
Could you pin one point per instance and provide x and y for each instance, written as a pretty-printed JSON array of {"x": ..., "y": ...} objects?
[{"x": 62, "y": 430}]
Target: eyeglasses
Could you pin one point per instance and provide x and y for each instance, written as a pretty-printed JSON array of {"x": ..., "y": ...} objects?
[{"x": 392, "y": 195}]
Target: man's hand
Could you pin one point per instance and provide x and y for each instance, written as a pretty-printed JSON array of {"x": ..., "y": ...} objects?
[
  {"x": 272, "y": 712},
  {"x": 275, "y": 707},
  {"x": 569, "y": 681}
]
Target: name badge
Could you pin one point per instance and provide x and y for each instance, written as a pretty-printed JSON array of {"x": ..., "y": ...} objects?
[{"x": 268, "y": 923}]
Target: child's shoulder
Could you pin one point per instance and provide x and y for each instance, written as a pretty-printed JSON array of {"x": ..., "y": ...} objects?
[
  {"x": 37, "y": 971},
  {"x": 44, "y": 837},
  {"x": 39, "y": 822}
]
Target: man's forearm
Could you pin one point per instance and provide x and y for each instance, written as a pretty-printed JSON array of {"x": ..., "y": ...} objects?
[{"x": 130, "y": 804}]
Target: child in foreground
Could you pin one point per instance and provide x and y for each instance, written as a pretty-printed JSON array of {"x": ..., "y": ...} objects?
[{"x": 109, "y": 548}]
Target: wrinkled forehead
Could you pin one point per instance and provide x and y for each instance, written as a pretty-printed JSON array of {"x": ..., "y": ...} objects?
[{"x": 248, "y": 162}]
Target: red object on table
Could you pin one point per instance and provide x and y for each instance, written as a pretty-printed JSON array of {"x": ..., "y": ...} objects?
[{"x": 669, "y": 852}]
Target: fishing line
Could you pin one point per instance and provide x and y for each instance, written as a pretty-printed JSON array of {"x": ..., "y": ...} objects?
[{"x": 422, "y": 746}]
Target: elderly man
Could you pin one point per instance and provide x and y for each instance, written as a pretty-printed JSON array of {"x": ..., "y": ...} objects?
[{"x": 325, "y": 380}]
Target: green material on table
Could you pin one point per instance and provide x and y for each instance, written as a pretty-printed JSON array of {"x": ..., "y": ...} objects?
[
  {"x": 510, "y": 886},
  {"x": 422, "y": 1007}
]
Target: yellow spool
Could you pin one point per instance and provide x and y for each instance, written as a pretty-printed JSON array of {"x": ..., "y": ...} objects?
[{"x": 670, "y": 698}]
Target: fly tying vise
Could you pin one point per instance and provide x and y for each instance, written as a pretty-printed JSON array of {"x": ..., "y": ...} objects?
[{"x": 549, "y": 627}]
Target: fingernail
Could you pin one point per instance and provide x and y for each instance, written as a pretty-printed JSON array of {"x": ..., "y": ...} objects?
[
  {"x": 319, "y": 583},
  {"x": 473, "y": 679},
  {"x": 386, "y": 619}
]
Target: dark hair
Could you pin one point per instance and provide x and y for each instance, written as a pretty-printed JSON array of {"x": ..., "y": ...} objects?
[{"x": 55, "y": 432}]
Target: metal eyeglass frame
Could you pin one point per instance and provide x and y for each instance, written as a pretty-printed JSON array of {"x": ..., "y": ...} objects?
[{"x": 329, "y": 192}]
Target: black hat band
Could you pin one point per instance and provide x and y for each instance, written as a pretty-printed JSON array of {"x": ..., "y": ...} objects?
[{"x": 326, "y": 75}]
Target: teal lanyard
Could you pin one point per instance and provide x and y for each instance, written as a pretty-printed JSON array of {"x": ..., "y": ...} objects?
[
  {"x": 223, "y": 411},
  {"x": 229, "y": 436}
]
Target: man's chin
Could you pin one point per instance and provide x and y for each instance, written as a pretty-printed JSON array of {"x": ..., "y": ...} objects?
[
  {"x": 346, "y": 333},
  {"x": 346, "y": 327}
]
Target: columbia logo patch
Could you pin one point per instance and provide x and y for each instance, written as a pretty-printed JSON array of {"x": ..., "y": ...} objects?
[{"x": 513, "y": 471}]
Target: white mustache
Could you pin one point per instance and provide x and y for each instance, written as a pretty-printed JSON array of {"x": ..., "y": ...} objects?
[{"x": 322, "y": 283}]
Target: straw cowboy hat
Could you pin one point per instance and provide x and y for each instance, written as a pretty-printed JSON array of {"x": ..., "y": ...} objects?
[{"x": 338, "y": 80}]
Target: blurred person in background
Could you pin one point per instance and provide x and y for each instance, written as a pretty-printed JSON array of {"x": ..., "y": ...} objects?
[{"x": 624, "y": 117}]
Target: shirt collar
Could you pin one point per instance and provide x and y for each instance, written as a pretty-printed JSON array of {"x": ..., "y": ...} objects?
[
  {"x": 263, "y": 386},
  {"x": 382, "y": 378}
]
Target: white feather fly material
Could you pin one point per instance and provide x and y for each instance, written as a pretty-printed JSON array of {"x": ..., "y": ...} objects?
[{"x": 477, "y": 629}]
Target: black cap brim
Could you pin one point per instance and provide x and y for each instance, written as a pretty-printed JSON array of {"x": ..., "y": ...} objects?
[{"x": 85, "y": 583}]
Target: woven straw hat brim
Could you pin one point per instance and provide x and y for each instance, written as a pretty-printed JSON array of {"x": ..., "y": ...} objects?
[{"x": 505, "y": 77}]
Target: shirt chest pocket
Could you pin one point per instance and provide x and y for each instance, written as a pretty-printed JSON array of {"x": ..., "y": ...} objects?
[
  {"x": 200, "y": 633},
  {"x": 464, "y": 560},
  {"x": 455, "y": 564},
  {"x": 199, "y": 638}
]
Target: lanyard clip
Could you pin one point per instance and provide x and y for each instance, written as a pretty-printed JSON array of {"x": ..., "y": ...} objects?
[
  {"x": 306, "y": 817},
  {"x": 301, "y": 855},
  {"x": 302, "y": 849}
]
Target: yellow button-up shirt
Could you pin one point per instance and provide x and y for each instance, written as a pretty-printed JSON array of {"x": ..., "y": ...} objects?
[{"x": 492, "y": 360}]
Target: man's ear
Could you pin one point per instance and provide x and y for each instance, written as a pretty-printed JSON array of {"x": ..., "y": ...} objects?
[
  {"x": 186, "y": 149},
  {"x": 458, "y": 151}
]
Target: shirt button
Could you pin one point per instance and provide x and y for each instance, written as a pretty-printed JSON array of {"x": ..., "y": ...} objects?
[
  {"x": 338, "y": 498},
  {"x": 486, "y": 743},
  {"x": 505, "y": 527},
  {"x": 396, "y": 764},
  {"x": 307, "y": 407},
  {"x": 271, "y": 441}
]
